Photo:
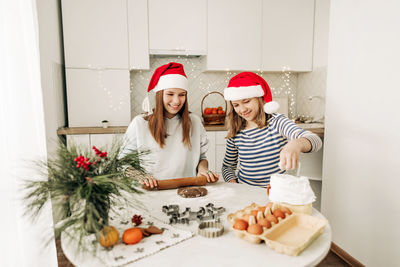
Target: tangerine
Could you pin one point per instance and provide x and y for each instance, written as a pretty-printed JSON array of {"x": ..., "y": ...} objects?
[{"x": 132, "y": 236}]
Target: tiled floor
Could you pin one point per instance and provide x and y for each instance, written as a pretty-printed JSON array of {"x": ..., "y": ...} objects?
[{"x": 330, "y": 260}]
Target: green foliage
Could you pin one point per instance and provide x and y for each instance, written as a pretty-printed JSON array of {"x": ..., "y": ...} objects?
[{"x": 84, "y": 195}]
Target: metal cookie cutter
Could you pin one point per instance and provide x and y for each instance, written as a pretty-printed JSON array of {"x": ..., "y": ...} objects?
[{"x": 211, "y": 229}]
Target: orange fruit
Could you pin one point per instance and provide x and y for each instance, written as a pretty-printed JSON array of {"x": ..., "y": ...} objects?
[
  {"x": 108, "y": 236},
  {"x": 132, "y": 236}
]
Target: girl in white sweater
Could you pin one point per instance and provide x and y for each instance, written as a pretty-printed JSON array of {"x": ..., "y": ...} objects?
[{"x": 176, "y": 138}]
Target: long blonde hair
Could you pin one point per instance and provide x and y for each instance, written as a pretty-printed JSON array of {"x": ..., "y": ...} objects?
[
  {"x": 157, "y": 124},
  {"x": 237, "y": 123}
]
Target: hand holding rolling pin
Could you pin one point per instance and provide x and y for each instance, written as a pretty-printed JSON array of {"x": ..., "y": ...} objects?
[{"x": 212, "y": 177}]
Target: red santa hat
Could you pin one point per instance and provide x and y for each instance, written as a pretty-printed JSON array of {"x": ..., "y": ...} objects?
[
  {"x": 171, "y": 75},
  {"x": 249, "y": 85}
]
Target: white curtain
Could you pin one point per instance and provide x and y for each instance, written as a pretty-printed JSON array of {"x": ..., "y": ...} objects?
[{"x": 22, "y": 136}]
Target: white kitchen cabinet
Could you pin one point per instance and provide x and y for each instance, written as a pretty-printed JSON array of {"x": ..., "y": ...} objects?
[
  {"x": 178, "y": 27},
  {"x": 234, "y": 35},
  {"x": 96, "y": 95},
  {"x": 267, "y": 35},
  {"x": 311, "y": 165},
  {"x": 95, "y": 33},
  {"x": 287, "y": 35},
  {"x": 216, "y": 150},
  {"x": 220, "y": 146},
  {"x": 104, "y": 142},
  {"x": 138, "y": 34},
  {"x": 79, "y": 140},
  {"x": 87, "y": 141},
  {"x": 211, "y": 150}
]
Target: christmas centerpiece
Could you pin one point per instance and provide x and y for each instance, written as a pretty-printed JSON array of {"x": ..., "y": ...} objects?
[{"x": 84, "y": 187}]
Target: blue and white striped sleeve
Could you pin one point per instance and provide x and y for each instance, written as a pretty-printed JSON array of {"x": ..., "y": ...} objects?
[
  {"x": 230, "y": 161},
  {"x": 291, "y": 131}
]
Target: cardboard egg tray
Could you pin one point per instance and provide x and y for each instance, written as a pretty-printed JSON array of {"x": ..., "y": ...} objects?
[{"x": 289, "y": 236}]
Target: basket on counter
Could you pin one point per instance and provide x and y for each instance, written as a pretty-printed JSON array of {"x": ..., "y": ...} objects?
[{"x": 213, "y": 119}]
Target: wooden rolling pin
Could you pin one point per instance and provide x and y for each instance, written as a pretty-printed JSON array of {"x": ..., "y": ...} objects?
[{"x": 178, "y": 182}]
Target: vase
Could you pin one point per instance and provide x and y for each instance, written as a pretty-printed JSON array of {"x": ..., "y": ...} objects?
[{"x": 95, "y": 213}]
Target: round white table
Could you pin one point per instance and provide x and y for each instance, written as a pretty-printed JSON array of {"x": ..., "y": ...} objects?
[{"x": 226, "y": 250}]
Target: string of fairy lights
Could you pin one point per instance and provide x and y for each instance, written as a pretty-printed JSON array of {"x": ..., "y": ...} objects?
[
  {"x": 205, "y": 81},
  {"x": 115, "y": 102}
]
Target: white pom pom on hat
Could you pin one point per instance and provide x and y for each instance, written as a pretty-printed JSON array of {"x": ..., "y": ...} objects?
[{"x": 248, "y": 85}]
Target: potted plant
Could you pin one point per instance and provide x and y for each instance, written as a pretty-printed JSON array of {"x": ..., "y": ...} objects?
[
  {"x": 84, "y": 187},
  {"x": 105, "y": 123}
]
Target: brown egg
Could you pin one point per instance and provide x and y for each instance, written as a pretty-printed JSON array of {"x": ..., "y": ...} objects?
[
  {"x": 286, "y": 210},
  {"x": 240, "y": 224},
  {"x": 272, "y": 218},
  {"x": 254, "y": 213},
  {"x": 279, "y": 213},
  {"x": 265, "y": 223},
  {"x": 255, "y": 229}
]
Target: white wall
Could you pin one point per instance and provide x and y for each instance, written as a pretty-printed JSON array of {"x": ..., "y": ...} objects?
[
  {"x": 51, "y": 63},
  {"x": 361, "y": 175}
]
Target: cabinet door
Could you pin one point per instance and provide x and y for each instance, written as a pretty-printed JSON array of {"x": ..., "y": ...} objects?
[
  {"x": 138, "y": 34},
  {"x": 104, "y": 142},
  {"x": 220, "y": 149},
  {"x": 81, "y": 141},
  {"x": 234, "y": 35},
  {"x": 177, "y": 26},
  {"x": 311, "y": 165},
  {"x": 95, "y": 33},
  {"x": 211, "y": 151},
  {"x": 288, "y": 29},
  {"x": 93, "y": 96}
]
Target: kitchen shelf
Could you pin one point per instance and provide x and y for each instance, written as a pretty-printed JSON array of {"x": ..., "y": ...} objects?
[{"x": 122, "y": 129}]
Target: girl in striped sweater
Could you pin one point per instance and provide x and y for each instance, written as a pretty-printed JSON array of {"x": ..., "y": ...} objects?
[{"x": 261, "y": 141}]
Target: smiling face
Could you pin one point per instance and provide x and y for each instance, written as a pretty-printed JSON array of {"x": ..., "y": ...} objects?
[
  {"x": 247, "y": 108},
  {"x": 173, "y": 100}
]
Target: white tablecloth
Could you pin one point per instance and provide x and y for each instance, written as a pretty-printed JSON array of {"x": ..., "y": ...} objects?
[{"x": 227, "y": 250}]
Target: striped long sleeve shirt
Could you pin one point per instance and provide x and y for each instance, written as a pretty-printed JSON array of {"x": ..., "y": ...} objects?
[{"x": 257, "y": 150}]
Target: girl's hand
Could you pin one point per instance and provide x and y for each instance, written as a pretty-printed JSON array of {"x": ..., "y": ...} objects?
[
  {"x": 289, "y": 156},
  {"x": 212, "y": 177},
  {"x": 233, "y": 181},
  {"x": 149, "y": 181}
]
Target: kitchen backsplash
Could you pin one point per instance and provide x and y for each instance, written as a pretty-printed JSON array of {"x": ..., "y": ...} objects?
[
  {"x": 200, "y": 83},
  {"x": 311, "y": 94}
]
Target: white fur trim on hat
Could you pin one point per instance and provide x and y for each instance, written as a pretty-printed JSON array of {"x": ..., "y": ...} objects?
[
  {"x": 171, "y": 81},
  {"x": 271, "y": 107},
  {"x": 237, "y": 93}
]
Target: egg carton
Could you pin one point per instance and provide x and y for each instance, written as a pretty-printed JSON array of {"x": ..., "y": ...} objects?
[
  {"x": 306, "y": 208},
  {"x": 290, "y": 236}
]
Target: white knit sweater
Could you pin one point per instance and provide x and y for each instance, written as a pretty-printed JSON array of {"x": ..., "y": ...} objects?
[{"x": 175, "y": 160}]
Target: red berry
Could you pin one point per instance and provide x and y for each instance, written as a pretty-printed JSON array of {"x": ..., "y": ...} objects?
[{"x": 137, "y": 219}]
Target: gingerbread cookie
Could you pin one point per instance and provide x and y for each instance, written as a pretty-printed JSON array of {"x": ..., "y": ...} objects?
[{"x": 191, "y": 192}]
